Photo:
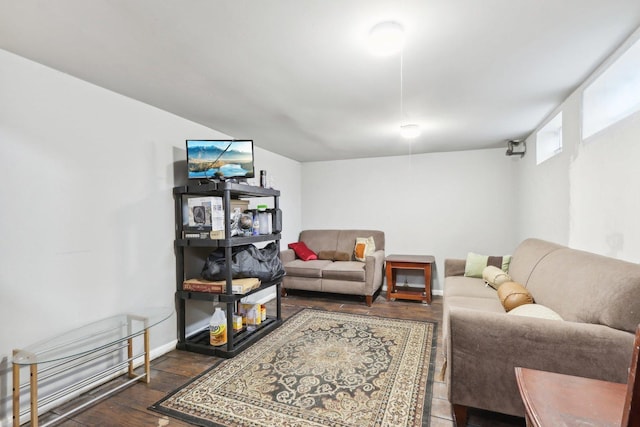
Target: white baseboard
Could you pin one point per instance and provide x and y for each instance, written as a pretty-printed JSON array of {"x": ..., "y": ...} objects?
[
  {"x": 261, "y": 297},
  {"x": 163, "y": 349}
]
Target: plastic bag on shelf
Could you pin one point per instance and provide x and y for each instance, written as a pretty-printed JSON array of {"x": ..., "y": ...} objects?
[{"x": 246, "y": 261}]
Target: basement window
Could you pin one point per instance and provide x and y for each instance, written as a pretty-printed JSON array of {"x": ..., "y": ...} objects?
[
  {"x": 549, "y": 139},
  {"x": 613, "y": 95}
]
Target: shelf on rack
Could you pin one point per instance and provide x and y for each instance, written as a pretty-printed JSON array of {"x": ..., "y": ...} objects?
[
  {"x": 199, "y": 342},
  {"x": 222, "y": 243},
  {"x": 238, "y": 190},
  {"x": 223, "y": 297}
]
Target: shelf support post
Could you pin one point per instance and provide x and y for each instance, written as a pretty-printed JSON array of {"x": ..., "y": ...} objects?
[
  {"x": 34, "y": 394},
  {"x": 16, "y": 392}
]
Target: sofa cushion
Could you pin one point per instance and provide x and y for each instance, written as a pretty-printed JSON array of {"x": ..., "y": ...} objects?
[
  {"x": 334, "y": 256},
  {"x": 476, "y": 263},
  {"x": 365, "y": 246},
  {"x": 344, "y": 270},
  {"x": 347, "y": 239},
  {"x": 513, "y": 294},
  {"x": 535, "y": 310},
  {"x": 302, "y": 268},
  {"x": 454, "y": 267},
  {"x": 303, "y": 283},
  {"x": 585, "y": 287},
  {"x": 468, "y": 286},
  {"x": 320, "y": 240},
  {"x": 490, "y": 305},
  {"x": 326, "y": 255},
  {"x": 526, "y": 256},
  {"x": 302, "y": 251}
]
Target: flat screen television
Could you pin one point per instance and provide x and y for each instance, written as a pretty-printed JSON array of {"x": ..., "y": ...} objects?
[{"x": 220, "y": 159}]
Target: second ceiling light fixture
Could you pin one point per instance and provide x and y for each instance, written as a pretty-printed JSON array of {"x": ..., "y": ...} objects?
[{"x": 387, "y": 38}]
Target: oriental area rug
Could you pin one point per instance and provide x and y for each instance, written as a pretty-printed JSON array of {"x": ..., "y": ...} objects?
[{"x": 319, "y": 368}]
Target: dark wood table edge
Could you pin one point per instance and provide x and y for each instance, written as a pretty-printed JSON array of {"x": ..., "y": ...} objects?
[{"x": 532, "y": 416}]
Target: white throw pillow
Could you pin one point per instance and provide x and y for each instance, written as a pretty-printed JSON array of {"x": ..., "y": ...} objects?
[
  {"x": 535, "y": 310},
  {"x": 365, "y": 246}
]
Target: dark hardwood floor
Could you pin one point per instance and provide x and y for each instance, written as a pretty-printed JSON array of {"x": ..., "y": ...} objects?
[{"x": 168, "y": 372}]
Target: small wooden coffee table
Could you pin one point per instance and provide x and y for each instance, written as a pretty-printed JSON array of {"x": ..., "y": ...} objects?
[{"x": 409, "y": 262}]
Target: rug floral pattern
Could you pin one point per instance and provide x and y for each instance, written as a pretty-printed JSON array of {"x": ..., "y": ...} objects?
[{"x": 319, "y": 369}]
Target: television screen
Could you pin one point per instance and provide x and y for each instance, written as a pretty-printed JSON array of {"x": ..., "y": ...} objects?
[{"x": 222, "y": 159}]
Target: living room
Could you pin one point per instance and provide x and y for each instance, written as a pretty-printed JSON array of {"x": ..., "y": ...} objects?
[{"x": 88, "y": 218}]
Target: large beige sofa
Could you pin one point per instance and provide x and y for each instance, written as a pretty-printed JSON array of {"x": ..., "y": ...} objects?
[
  {"x": 344, "y": 277},
  {"x": 597, "y": 297}
]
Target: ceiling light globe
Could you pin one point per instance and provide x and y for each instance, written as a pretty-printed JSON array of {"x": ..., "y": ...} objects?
[
  {"x": 386, "y": 38},
  {"x": 410, "y": 131}
]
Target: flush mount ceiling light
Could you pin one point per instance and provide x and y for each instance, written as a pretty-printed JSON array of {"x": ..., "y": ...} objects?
[
  {"x": 386, "y": 38},
  {"x": 410, "y": 131}
]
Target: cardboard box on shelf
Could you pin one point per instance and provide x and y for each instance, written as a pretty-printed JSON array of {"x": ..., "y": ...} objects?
[
  {"x": 238, "y": 286},
  {"x": 205, "y": 214},
  {"x": 239, "y": 203}
]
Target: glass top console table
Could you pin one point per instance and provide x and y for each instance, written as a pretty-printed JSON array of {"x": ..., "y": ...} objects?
[{"x": 69, "y": 352}]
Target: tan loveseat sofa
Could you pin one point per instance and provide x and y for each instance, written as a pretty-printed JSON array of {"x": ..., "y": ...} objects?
[
  {"x": 325, "y": 275},
  {"x": 597, "y": 297}
]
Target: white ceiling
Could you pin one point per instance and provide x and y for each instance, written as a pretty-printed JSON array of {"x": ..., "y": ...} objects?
[{"x": 296, "y": 76}]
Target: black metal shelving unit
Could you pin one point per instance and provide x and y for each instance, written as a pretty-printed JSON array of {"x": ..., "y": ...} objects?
[{"x": 240, "y": 340}]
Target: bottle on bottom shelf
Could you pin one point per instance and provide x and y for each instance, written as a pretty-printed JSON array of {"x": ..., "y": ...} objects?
[
  {"x": 253, "y": 319},
  {"x": 237, "y": 322},
  {"x": 218, "y": 328},
  {"x": 253, "y": 315}
]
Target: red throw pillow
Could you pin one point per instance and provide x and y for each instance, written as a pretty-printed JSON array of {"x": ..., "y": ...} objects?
[{"x": 302, "y": 251}]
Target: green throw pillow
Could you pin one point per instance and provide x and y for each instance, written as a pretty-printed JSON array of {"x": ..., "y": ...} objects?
[{"x": 476, "y": 263}]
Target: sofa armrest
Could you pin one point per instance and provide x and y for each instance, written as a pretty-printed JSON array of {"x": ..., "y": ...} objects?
[
  {"x": 485, "y": 347},
  {"x": 374, "y": 272},
  {"x": 287, "y": 255},
  {"x": 454, "y": 267}
]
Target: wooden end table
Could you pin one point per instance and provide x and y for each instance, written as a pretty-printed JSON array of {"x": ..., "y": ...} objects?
[
  {"x": 552, "y": 399},
  {"x": 409, "y": 262}
]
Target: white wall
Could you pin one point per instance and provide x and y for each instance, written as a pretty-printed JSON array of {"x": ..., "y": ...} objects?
[
  {"x": 586, "y": 197},
  {"x": 441, "y": 204},
  {"x": 86, "y": 178},
  {"x": 543, "y": 192},
  {"x": 605, "y": 192}
]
